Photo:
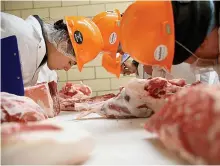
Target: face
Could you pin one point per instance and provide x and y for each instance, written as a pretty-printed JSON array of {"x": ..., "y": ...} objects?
[{"x": 58, "y": 61}]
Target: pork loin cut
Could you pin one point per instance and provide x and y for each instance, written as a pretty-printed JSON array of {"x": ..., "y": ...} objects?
[
  {"x": 77, "y": 91},
  {"x": 139, "y": 98},
  {"x": 44, "y": 143},
  {"x": 20, "y": 109},
  {"x": 189, "y": 124},
  {"x": 45, "y": 96}
]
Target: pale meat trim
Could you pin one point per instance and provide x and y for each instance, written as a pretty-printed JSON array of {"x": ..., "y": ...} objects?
[
  {"x": 213, "y": 130},
  {"x": 53, "y": 147},
  {"x": 48, "y": 109},
  {"x": 168, "y": 143},
  {"x": 212, "y": 136},
  {"x": 154, "y": 104},
  {"x": 17, "y": 108},
  {"x": 88, "y": 106}
]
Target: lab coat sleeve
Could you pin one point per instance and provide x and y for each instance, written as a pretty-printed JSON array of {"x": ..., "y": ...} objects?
[
  {"x": 47, "y": 75},
  {"x": 160, "y": 72},
  {"x": 141, "y": 74}
]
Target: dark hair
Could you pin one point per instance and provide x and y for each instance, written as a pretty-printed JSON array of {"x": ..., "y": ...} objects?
[
  {"x": 217, "y": 8},
  {"x": 60, "y": 25}
]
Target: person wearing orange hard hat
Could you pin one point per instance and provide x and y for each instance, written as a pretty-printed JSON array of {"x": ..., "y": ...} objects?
[
  {"x": 166, "y": 33},
  {"x": 108, "y": 23},
  {"x": 70, "y": 41}
]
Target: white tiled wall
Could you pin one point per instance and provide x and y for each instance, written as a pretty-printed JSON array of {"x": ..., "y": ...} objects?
[{"x": 93, "y": 74}]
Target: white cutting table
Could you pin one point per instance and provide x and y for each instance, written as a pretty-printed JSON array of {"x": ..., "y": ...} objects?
[{"x": 122, "y": 142}]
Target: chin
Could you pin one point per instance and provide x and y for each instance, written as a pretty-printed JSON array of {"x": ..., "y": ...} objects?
[{"x": 51, "y": 67}]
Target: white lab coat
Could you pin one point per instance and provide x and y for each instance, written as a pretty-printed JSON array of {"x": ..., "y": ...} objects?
[
  {"x": 183, "y": 71},
  {"x": 177, "y": 71},
  {"x": 47, "y": 75},
  {"x": 140, "y": 72},
  {"x": 214, "y": 76},
  {"x": 31, "y": 44}
]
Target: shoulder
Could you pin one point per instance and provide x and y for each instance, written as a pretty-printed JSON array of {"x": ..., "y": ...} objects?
[{"x": 13, "y": 25}]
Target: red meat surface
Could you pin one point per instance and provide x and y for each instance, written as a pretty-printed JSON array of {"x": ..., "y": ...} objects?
[
  {"x": 78, "y": 91},
  {"x": 189, "y": 124},
  {"x": 139, "y": 98},
  {"x": 46, "y": 96},
  {"x": 20, "y": 109}
]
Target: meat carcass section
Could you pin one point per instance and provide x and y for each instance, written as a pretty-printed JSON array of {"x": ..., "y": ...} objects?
[
  {"x": 46, "y": 96},
  {"x": 76, "y": 91},
  {"x": 74, "y": 104},
  {"x": 44, "y": 143},
  {"x": 139, "y": 98},
  {"x": 189, "y": 124},
  {"x": 55, "y": 97},
  {"x": 20, "y": 109}
]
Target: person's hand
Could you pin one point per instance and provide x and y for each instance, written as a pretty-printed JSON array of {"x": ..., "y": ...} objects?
[{"x": 128, "y": 68}]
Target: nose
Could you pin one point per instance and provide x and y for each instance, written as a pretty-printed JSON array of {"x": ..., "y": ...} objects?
[
  {"x": 70, "y": 64},
  {"x": 66, "y": 68}
]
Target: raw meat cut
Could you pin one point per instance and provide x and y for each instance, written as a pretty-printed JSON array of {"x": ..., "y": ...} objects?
[
  {"x": 41, "y": 95},
  {"x": 55, "y": 96},
  {"x": 139, "y": 98},
  {"x": 78, "y": 91},
  {"x": 74, "y": 104},
  {"x": 45, "y": 95},
  {"x": 189, "y": 124},
  {"x": 44, "y": 143},
  {"x": 20, "y": 109}
]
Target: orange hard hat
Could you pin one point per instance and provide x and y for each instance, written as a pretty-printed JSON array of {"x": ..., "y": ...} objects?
[
  {"x": 108, "y": 23},
  {"x": 112, "y": 65},
  {"x": 147, "y": 33},
  {"x": 86, "y": 39}
]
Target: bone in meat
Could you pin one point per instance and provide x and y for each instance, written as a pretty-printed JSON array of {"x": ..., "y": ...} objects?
[{"x": 139, "y": 98}]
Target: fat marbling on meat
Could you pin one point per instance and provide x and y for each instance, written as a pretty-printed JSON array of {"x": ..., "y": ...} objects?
[
  {"x": 75, "y": 91},
  {"x": 139, "y": 98},
  {"x": 46, "y": 96},
  {"x": 189, "y": 124},
  {"x": 75, "y": 104},
  {"x": 44, "y": 143},
  {"x": 20, "y": 109}
]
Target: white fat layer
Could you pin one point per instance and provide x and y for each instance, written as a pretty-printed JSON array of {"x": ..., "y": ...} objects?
[
  {"x": 13, "y": 107},
  {"x": 49, "y": 147}
]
